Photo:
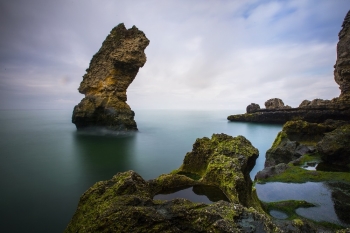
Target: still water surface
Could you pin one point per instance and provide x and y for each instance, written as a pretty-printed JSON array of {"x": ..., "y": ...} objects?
[{"x": 45, "y": 164}]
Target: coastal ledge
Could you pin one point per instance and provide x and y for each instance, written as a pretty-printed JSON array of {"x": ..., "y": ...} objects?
[{"x": 281, "y": 116}]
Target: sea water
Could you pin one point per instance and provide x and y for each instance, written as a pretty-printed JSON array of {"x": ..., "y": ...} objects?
[{"x": 46, "y": 165}]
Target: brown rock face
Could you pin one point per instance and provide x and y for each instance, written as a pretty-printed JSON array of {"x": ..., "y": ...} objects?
[
  {"x": 253, "y": 108},
  {"x": 274, "y": 103},
  {"x": 342, "y": 66},
  {"x": 112, "y": 69}
]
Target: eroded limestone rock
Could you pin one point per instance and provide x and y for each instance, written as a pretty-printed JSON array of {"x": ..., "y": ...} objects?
[
  {"x": 335, "y": 146},
  {"x": 111, "y": 71},
  {"x": 274, "y": 103},
  {"x": 330, "y": 139},
  {"x": 253, "y": 108},
  {"x": 226, "y": 162},
  {"x": 342, "y": 65}
]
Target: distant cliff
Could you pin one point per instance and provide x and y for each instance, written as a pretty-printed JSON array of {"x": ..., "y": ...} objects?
[
  {"x": 112, "y": 69},
  {"x": 317, "y": 110}
]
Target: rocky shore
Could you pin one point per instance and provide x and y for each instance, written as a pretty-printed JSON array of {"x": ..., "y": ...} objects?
[{"x": 111, "y": 71}]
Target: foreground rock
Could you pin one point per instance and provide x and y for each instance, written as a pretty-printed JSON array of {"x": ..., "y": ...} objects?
[
  {"x": 225, "y": 162},
  {"x": 334, "y": 147},
  {"x": 317, "y": 110},
  {"x": 111, "y": 71},
  {"x": 330, "y": 140},
  {"x": 125, "y": 203}
]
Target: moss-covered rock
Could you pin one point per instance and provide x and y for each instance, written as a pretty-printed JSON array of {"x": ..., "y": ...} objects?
[
  {"x": 224, "y": 161},
  {"x": 284, "y": 150},
  {"x": 298, "y": 138},
  {"x": 335, "y": 146},
  {"x": 125, "y": 204}
]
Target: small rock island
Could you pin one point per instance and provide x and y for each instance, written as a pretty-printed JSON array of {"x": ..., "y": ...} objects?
[{"x": 112, "y": 69}]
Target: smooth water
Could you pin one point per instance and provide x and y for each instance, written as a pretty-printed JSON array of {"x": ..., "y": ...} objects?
[
  {"x": 46, "y": 165},
  {"x": 199, "y": 193},
  {"x": 318, "y": 193}
]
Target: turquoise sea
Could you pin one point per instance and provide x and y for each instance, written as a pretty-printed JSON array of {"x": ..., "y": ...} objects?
[{"x": 46, "y": 165}]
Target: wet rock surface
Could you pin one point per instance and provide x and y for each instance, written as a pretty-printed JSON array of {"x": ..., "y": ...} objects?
[
  {"x": 334, "y": 147},
  {"x": 112, "y": 69},
  {"x": 330, "y": 140}
]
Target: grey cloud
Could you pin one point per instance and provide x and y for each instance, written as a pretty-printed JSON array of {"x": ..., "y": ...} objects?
[{"x": 44, "y": 42}]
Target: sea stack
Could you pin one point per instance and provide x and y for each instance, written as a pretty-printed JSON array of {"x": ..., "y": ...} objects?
[{"x": 112, "y": 69}]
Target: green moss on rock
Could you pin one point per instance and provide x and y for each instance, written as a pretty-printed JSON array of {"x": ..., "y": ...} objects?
[{"x": 224, "y": 161}]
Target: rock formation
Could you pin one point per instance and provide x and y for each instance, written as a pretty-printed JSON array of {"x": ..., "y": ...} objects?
[
  {"x": 111, "y": 71},
  {"x": 253, "y": 108},
  {"x": 334, "y": 147},
  {"x": 317, "y": 110},
  {"x": 342, "y": 66},
  {"x": 223, "y": 161},
  {"x": 125, "y": 203},
  {"x": 274, "y": 103}
]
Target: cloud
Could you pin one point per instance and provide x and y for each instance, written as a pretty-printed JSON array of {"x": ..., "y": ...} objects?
[{"x": 208, "y": 55}]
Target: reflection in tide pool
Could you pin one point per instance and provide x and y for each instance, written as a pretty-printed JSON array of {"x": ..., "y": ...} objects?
[
  {"x": 319, "y": 194},
  {"x": 278, "y": 214},
  {"x": 199, "y": 193}
]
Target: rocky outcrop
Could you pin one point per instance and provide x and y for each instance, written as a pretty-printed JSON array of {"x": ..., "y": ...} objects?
[
  {"x": 315, "y": 103},
  {"x": 253, "y": 108},
  {"x": 111, "y": 71},
  {"x": 334, "y": 147},
  {"x": 342, "y": 66},
  {"x": 317, "y": 110},
  {"x": 225, "y": 162},
  {"x": 125, "y": 203},
  {"x": 274, "y": 103},
  {"x": 297, "y": 138},
  {"x": 281, "y": 116},
  {"x": 329, "y": 141}
]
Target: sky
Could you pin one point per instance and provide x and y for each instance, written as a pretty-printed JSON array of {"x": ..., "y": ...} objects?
[{"x": 203, "y": 55}]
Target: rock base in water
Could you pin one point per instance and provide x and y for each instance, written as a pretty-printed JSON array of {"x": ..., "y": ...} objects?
[{"x": 111, "y": 71}]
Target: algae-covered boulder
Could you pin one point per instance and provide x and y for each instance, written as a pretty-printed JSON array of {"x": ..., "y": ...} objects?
[
  {"x": 335, "y": 146},
  {"x": 298, "y": 138},
  {"x": 125, "y": 204},
  {"x": 284, "y": 150},
  {"x": 223, "y": 161}
]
